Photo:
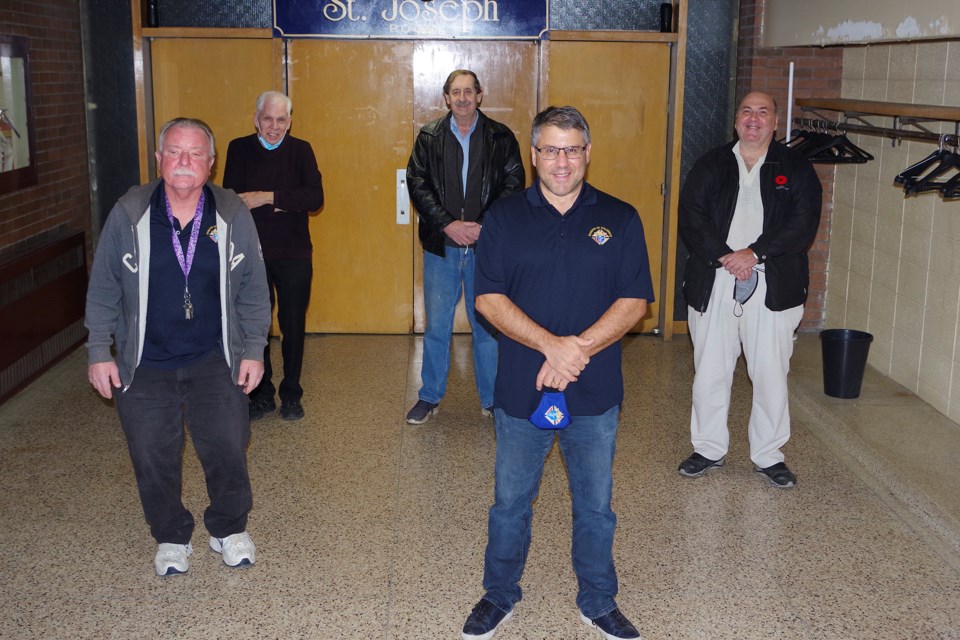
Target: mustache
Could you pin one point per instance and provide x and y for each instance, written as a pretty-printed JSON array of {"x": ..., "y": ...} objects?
[{"x": 185, "y": 172}]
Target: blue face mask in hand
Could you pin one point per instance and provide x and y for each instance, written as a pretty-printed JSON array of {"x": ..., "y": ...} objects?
[
  {"x": 743, "y": 290},
  {"x": 552, "y": 411}
]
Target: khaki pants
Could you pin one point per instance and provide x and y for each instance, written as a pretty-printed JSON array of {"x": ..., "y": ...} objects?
[{"x": 766, "y": 340}]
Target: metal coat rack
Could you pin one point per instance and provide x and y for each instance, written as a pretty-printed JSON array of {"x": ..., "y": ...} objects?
[
  {"x": 938, "y": 172},
  {"x": 908, "y": 119}
]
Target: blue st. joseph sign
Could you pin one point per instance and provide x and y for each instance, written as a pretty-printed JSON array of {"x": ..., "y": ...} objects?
[{"x": 409, "y": 18}]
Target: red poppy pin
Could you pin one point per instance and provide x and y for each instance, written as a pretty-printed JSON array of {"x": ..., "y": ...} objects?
[{"x": 781, "y": 180}]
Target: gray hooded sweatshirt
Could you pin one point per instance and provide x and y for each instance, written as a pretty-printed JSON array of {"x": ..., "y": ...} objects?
[{"x": 120, "y": 279}]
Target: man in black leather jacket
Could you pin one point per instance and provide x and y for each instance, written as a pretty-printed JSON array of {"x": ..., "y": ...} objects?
[
  {"x": 460, "y": 164},
  {"x": 749, "y": 212}
]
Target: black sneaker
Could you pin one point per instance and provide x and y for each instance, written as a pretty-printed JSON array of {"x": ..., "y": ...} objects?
[
  {"x": 696, "y": 465},
  {"x": 422, "y": 411},
  {"x": 613, "y": 626},
  {"x": 779, "y": 475},
  {"x": 484, "y": 620},
  {"x": 260, "y": 407},
  {"x": 291, "y": 410}
]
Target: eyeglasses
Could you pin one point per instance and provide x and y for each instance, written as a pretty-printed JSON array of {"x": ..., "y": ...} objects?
[{"x": 552, "y": 153}]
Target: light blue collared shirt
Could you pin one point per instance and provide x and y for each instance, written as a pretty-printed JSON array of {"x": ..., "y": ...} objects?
[{"x": 464, "y": 141}]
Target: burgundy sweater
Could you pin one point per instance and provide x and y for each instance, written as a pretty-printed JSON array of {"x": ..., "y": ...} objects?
[{"x": 290, "y": 172}]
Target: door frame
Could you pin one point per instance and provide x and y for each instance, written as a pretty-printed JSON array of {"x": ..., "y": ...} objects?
[
  {"x": 666, "y": 290},
  {"x": 678, "y": 45}
]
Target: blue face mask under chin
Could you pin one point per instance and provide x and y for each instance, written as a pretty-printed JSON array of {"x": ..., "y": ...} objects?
[{"x": 267, "y": 145}]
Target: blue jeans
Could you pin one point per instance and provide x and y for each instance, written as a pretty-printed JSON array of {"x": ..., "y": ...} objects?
[
  {"x": 444, "y": 279},
  {"x": 588, "y": 445}
]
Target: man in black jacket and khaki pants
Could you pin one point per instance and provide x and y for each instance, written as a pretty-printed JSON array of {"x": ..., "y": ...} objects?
[
  {"x": 749, "y": 212},
  {"x": 460, "y": 164}
]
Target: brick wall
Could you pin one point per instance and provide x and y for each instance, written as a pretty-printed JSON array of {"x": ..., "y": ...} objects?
[
  {"x": 816, "y": 74},
  {"x": 61, "y": 197}
]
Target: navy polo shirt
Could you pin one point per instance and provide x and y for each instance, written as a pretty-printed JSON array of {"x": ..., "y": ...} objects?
[
  {"x": 171, "y": 341},
  {"x": 564, "y": 272}
]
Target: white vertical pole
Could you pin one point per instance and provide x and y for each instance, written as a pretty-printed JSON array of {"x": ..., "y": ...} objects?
[{"x": 790, "y": 103}]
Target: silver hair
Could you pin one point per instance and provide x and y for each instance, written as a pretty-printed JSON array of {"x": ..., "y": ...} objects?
[
  {"x": 274, "y": 96},
  {"x": 188, "y": 123},
  {"x": 563, "y": 118}
]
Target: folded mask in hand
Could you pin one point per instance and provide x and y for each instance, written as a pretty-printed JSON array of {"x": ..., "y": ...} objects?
[
  {"x": 552, "y": 411},
  {"x": 744, "y": 289}
]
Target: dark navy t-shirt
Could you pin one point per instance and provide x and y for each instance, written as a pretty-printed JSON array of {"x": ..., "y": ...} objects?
[
  {"x": 564, "y": 272},
  {"x": 171, "y": 341}
]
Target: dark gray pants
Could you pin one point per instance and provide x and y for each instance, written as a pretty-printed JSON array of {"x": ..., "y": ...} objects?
[
  {"x": 288, "y": 280},
  {"x": 153, "y": 411}
]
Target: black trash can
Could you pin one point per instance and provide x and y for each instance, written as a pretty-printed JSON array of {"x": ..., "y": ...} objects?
[{"x": 844, "y": 360}]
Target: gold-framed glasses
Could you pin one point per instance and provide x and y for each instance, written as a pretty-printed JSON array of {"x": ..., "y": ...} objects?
[{"x": 552, "y": 153}]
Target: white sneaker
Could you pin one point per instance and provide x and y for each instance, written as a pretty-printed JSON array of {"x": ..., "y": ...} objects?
[
  {"x": 238, "y": 549},
  {"x": 172, "y": 559}
]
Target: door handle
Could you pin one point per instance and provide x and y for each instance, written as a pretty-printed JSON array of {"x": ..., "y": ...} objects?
[{"x": 403, "y": 198}]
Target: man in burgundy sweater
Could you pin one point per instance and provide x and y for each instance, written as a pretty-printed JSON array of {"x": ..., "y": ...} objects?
[{"x": 276, "y": 175}]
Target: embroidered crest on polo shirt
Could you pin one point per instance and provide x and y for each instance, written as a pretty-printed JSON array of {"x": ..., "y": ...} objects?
[
  {"x": 600, "y": 235},
  {"x": 212, "y": 233}
]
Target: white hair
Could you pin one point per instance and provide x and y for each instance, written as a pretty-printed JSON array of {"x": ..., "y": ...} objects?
[
  {"x": 189, "y": 123},
  {"x": 274, "y": 96}
]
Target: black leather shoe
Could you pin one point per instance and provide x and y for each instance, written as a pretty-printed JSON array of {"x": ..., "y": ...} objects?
[
  {"x": 613, "y": 626},
  {"x": 260, "y": 407},
  {"x": 484, "y": 621},
  {"x": 696, "y": 465},
  {"x": 779, "y": 475},
  {"x": 291, "y": 410}
]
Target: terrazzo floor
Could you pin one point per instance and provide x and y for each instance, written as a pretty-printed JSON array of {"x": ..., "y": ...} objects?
[{"x": 367, "y": 527}]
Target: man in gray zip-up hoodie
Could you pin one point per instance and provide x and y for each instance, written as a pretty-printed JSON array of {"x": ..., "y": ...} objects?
[{"x": 178, "y": 289}]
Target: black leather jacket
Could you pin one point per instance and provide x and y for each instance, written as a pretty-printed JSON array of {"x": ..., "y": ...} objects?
[
  {"x": 503, "y": 174},
  {"x": 791, "y": 194}
]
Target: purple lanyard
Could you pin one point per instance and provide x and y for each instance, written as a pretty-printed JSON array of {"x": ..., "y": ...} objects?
[{"x": 186, "y": 262}]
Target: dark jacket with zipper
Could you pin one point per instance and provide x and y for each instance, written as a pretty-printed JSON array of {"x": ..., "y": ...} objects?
[
  {"x": 791, "y": 194},
  {"x": 502, "y": 174}
]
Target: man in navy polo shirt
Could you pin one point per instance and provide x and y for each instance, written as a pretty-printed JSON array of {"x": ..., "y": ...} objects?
[{"x": 562, "y": 272}]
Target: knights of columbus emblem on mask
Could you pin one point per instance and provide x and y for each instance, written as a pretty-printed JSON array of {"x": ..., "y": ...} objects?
[{"x": 553, "y": 415}]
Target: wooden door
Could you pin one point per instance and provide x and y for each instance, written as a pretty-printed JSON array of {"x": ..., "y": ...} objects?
[
  {"x": 622, "y": 88},
  {"x": 353, "y": 100},
  {"x": 360, "y": 103},
  {"x": 507, "y": 71},
  {"x": 215, "y": 80}
]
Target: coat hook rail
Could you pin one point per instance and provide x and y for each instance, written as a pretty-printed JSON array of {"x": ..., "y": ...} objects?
[
  {"x": 887, "y": 132},
  {"x": 906, "y": 118}
]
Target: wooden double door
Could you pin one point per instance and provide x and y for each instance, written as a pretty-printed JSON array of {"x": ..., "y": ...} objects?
[{"x": 360, "y": 103}]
